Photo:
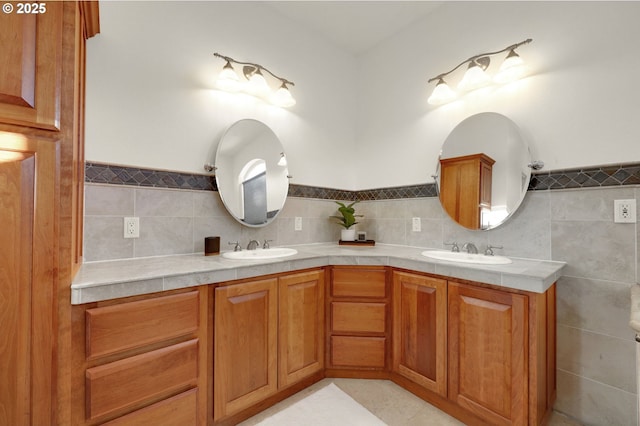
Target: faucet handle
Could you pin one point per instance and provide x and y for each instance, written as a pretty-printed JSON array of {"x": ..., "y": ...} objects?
[
  {"x": 454, "y": 246},
  {"x": 489, "y": 250},
  {"x": 236, "y": 244},
  {"x": 266, "y": 244}
]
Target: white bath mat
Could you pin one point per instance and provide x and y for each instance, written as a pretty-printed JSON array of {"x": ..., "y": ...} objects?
[{"x": 328, "y": 406}]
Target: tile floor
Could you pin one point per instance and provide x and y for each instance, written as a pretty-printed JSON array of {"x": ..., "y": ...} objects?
[{"x": 389, "y": 402}]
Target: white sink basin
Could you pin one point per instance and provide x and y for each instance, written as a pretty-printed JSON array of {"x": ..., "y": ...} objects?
[
  {"x": 258, "y": 254},
  {"x": 466, "y": 257}
]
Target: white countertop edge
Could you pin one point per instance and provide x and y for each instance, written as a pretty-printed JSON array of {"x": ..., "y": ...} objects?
[{"x": 110, "y": 279}]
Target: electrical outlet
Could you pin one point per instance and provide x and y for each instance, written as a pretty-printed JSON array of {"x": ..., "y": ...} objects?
[
  {"x": 416, "y": 225},
  {"x": 624, "y": 211},
  {"x": 297, "y": 226},
  {"x": 131, "y": 227}
]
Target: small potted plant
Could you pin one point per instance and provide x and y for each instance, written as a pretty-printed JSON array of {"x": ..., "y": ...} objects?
[{"x": 347, "y": 220}]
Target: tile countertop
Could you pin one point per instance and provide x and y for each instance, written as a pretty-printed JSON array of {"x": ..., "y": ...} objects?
[
  {"x": 98, "y": 281},
  {"x": 634, "y": 321}
]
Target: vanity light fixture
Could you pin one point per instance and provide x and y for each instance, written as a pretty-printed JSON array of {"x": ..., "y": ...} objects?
[
  {"x": 255, "y": 82},
  {"x": 476, "y": 76}
]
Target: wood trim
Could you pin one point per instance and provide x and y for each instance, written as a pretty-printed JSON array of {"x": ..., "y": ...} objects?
[{"x": 91, "y": 18}]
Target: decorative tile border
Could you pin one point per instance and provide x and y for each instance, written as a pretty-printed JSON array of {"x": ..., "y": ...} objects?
[
  {"x": 605, "y": 176},
  {"x": 134, "y": 176},
  {"x": 612, "y": 175}
]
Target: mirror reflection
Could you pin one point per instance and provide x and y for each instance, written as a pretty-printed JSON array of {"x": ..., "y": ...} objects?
[
  {"x": 483, "y": 171},
  {"x": 251, "y": 172}
]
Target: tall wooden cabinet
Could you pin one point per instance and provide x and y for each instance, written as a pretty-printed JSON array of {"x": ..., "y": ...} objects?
[
  {"x": 41, "y": 186},
  {"x": 465, "y": 188}
]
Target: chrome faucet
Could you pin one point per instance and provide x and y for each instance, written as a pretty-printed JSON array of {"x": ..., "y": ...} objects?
[
  {"x": 266, "y": 244},
  {"x": 489, "y": 250},
  {"x": 253, "y": 244},
  {"x": 236, "y": 245},
  {"x": 454, "y": 246},
  {"x": 470, "y": 248}
]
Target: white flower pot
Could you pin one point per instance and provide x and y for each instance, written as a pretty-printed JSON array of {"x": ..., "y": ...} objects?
[{"x": 348, "y": 235}]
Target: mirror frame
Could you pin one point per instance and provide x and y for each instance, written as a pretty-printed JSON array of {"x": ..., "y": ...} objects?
[
  {"x": 249, "y": 151},
  {"x": 499, "y": 149}
]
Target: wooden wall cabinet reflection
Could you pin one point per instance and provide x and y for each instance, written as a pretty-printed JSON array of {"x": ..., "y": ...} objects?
[{"x": 465, "y": 188}]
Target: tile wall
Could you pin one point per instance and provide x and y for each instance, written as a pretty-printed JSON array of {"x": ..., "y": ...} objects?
[{"x": 596, "y": 348}]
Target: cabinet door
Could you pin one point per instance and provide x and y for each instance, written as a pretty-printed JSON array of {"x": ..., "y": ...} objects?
[
  {"x": 30, "y": 77},
  {"x": 301, "y": 326},
  {"x": 488, "y": 353},
  {"x": 419, "y": 337},
  {"x": 27, "y": 285},
  {"x": 245, "y": 350}
]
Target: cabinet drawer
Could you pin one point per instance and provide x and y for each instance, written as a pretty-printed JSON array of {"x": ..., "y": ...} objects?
[
  {"x": 351, "y": 351},
  {"x": 179, "y": 410},
  {"x": 358, "y": 317},
  {"x": 124, "y": 383},
  {"x": 359, "y": 283},
  {"x": 117, "y": 328}
]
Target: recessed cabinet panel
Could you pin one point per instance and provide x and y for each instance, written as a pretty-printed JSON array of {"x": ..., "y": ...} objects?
[
  {"x": 120, "y": 327},
  {"x": 31, "y": 78}
]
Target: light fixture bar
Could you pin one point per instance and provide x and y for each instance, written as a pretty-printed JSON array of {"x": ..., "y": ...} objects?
[
  {"x": 256, "y": 66},
  {"x": 476, "y": 58}
]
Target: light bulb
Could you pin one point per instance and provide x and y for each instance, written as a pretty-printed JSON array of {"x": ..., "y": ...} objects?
[
  {"x": 228, "y": 79},
  {"x": 283, "y": 160},
  {"x": 257, "y": 85},
  {"x": 282, "y": 97},
  {"x": 441, "y": 94},
  {"x": 512, "y": 69},
  {"x": 474, "y": 78}
]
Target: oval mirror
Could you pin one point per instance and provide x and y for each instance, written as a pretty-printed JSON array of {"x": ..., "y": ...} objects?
[
  {"x": 483, "y": 171},
  {"x": 251, "y": 173}
]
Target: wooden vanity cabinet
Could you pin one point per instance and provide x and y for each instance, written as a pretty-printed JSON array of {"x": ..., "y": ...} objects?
[
  {"x": 465, "y": 188},
  {"x": 487, "y": 354},
  {"x": 142, "y": 358},
  {"x": 358, "y": 321},
  {"x": 269, "y": 336}
]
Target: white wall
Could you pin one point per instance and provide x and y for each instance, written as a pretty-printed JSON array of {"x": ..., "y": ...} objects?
[
  {"x": 578, "y": 108},
  {"x": 360, "y": 122},
  {"x": 150, "y": 88}
]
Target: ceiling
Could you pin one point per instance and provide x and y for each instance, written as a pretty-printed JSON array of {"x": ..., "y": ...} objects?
[{"x": 355, "y": 26}]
